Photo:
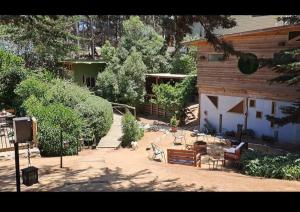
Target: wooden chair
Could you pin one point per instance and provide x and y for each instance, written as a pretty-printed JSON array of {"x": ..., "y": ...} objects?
[{"x": 157, "y": 151}]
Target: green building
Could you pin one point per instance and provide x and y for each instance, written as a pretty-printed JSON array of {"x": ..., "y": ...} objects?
[{"x": 84, "y": 72}]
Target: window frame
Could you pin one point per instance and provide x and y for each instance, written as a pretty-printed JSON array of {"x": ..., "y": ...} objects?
[
  {"x": 214, "y": 53},
  {"x": 252, "y": 100},
  {"x": 261, "y": 114}
]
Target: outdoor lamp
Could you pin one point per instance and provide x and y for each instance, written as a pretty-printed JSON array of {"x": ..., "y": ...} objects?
[{"x": 30, "y": 175}]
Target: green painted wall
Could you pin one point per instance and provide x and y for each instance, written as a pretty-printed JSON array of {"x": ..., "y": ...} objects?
[{"x": 88, "y": 70}]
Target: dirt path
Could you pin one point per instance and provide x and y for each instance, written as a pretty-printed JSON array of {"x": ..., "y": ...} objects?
[{"x": 128, "y": 170}]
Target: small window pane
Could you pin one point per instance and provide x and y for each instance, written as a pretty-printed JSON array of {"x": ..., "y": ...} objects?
[
  {"x": 215, "y": 57},
  {"x": 258, "y": 114},
  {"x": 294, "y": 34},
  {"x": 252, "y": 103}
]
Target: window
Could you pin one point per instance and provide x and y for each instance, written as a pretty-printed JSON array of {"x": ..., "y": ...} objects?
[
  {"x": 258, "y": 114},
  {"x": 273, "y": 108},
  {"x": 239, "y": 108},
  {"x": 215, "y": 57},
  {"x": 214, "y": 100},
  {"x": 294, "y": 34},
  {"x": 252, "y": 103}
]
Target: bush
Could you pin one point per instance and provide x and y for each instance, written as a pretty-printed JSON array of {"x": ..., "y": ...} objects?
[
  {"x": 248, "y": 133},
  {"x": 97, "y": 114},
  {"x": 132, "y": 131},
  {"x": 66, "y": 93},
  {"x": 12, "y": 72},
  {"x": 93, "y": 113},
  {"x": 51, "y": 120},
  {"x": 32, "y": 86},
  {"x": 256, "y": 163},
  {"x": 268, "y": 139}
]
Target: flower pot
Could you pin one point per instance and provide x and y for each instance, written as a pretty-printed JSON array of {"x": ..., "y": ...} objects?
[{"x": 174, "y": 129}]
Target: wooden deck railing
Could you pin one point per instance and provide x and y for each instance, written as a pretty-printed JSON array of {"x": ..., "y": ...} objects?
[{"x": 116, "y": 107}]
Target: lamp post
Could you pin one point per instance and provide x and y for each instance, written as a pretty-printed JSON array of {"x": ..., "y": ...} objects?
[
  {"x": 61, "y": 149},
  {"x": 63, "y": 145}
]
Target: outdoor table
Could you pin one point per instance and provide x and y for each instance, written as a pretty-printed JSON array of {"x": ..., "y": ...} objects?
[{"x": 216, "y": 160}]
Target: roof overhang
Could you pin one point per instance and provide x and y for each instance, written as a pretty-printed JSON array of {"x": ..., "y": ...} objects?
[
  {"x": 246, "y": 34},
  {"x": 82, "y": 62},
  {"x": 168, "y": 75}
]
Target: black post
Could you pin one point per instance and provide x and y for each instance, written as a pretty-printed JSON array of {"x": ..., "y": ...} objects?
[
  {"x": 61, "y": 149},
  {"x": 17, "y": 164}
]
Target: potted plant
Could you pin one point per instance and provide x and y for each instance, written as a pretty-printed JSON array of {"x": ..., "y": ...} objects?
[{"x": 173, "y": 123}]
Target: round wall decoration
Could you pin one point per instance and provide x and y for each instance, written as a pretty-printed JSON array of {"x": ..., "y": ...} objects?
[{"x": 248, "y": 63}]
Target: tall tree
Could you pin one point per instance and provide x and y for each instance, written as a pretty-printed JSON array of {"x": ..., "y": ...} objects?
[
  {"x": 287, "y": 64},
  {"x": 42, "y": 41}
]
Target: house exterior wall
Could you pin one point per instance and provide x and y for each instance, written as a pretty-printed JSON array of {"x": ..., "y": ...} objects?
[
  {"x": 289, "y": 133},
  {"x": 223, "y": 79},
  {"x": 88, "y": 70}
]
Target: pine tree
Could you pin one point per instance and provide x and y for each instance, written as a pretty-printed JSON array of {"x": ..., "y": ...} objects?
[
  {"x": 43, "y": 41},
  {"x": 287, "y": 64}
]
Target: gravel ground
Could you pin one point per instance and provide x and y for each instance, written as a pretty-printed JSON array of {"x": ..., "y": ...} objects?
[{"x": 132, "y": 170}]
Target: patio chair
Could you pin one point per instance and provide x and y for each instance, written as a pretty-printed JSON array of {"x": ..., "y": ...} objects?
[
  {"x": 234, "y": 153},
  {"x": 157, "y": 151},
  {"x": 179, "y": 136}
]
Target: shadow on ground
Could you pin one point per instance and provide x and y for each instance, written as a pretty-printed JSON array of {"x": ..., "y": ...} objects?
[{"x": 116, "y": 180}]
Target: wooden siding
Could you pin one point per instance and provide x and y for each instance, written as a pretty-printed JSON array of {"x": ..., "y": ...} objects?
[{"x": 224, "y": 77}]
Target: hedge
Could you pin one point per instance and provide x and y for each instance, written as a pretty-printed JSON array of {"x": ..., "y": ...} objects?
[{"x": 256, "y": 163}]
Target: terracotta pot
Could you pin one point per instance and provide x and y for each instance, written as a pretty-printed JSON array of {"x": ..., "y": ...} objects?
[{"x": 174, "y": 129}]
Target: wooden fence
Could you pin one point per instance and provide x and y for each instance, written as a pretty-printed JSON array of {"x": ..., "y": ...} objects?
[{"x": 154, "y": 109}]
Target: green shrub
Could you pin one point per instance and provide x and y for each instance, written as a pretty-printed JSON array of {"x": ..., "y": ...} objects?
[
  {"x": 256, "y": 163},
  {"x": 32, "y": 86},
  {"x": 173, "y": 121},
  {"x": 249, "y": 133},
  {"x": 51, "y": 120},
  {"x": 67, "y": 93},
  {"x": 131, "y": 129},
  {"x": 93, "y": 113},
  {"x": 12, "y": 72},
  {"x": 97, "y": 115}
]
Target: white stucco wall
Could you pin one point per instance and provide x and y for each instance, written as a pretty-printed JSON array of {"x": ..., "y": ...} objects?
[{"x": 289, "y": 133}]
